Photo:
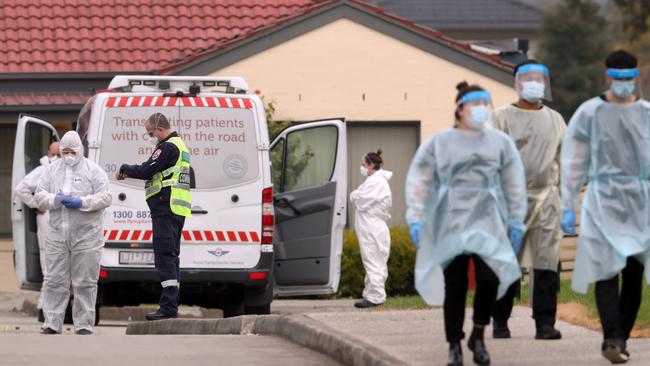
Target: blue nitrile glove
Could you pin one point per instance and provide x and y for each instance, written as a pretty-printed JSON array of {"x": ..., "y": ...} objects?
[
  {"x": 516, "y": 237},
  {"x": 415, "y": 230},
  {"x": 58, "y": 198},
  {"x": 568, "y": 223},
  {"x": 74, "y": 202}
]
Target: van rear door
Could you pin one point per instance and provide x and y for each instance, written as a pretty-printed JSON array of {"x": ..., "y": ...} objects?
[
  {"x": 33, "y": 138},
  {"x": 310, "y": 184}
]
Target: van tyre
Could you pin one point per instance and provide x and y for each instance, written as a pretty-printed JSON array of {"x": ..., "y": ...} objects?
[
  {"x": 97, "y": 307},
  {"x": 67, "y": 319},
  {"x": 234, "y": 302},
  {"x": 258, "y": 310}
]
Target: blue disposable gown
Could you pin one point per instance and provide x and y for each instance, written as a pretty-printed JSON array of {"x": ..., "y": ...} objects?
[
  {"x": 608, "y": 145},
  {"x": 465, "y": 187}
]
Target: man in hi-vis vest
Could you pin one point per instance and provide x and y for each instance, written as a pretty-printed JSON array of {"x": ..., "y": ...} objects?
[{"x": 167, "y": 191}]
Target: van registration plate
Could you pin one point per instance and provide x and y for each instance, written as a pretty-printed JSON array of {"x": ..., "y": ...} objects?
[{"x": 136, "y": 257}]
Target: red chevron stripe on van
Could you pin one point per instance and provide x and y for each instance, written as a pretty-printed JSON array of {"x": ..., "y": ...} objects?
[{"x": 188, "y": 235}]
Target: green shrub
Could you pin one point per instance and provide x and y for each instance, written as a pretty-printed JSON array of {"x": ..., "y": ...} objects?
[{"x": 400, "y": 265}]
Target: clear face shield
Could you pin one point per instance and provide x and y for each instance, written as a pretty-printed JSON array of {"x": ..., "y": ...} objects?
[
  {"x": 477, "y": 109},
  {"x": 624, "y": 82},
  {"x": 533, "y": 83}
]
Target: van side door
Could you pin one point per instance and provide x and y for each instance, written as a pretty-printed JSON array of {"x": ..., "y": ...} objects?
[
  {"x": 310, "y": 184},
  {"x": 33, "y": 138}
]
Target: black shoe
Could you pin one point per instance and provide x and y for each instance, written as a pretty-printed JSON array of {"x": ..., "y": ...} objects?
[
  {"x": 158, "y": 315},
  {"x": 365, "y": 304},
  {"x": 83, "y": 332},
  {"x": 500, "y": 330},
  {"x": 625, "y": 351},
  {"x": 481, "y": 354},
  {"x": 614, "y": 350},
  {"x": 48, "y": 331},
  {"x": 455, "y": 355},
  {"x": 547, "y": 332}
]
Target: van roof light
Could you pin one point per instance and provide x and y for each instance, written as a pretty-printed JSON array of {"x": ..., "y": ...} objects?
[{"x": 235, "y": 84}]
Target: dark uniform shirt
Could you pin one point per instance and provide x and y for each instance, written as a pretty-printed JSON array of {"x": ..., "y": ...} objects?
[{"x": 164, "y": 156}]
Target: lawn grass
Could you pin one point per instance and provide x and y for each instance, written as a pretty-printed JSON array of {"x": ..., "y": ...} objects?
[{"x": 566, "y": 295}]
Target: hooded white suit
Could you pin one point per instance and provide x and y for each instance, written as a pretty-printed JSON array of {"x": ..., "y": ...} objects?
[{"x": 74, "y": 244}]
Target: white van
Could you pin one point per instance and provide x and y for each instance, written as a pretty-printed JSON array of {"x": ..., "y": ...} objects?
[{"x": 255, "y": 229}]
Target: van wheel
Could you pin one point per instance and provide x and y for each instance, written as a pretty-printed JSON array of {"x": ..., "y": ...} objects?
[
  {"x": 234, "y": 303},
  {"x": 67, "y": 319},
  {"x": 259, "y": 310},
  {"x": 97, "y": 307}
]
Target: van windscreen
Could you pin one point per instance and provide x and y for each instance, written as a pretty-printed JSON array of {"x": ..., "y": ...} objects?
[{"x": 222, "y": 142}]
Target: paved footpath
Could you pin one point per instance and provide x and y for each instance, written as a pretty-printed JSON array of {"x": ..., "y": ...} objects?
[{"x": 417, "y": 337}]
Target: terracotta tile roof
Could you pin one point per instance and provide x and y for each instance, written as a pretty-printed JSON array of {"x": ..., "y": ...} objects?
[
  {"x": 45, "y": 99},
  {"x": 126, "y": 35},
  {"x": 408, "y": 23},
  {"x": 116, "y": 36}
]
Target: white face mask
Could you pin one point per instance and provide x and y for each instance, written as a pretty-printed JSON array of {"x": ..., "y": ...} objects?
[
  {"x": 532, "y": 91},
  {"x": 622, "y": 89},
  {"x": 363, "y": 171},
  {"x": 53, "y": 158},
  {"x": 478, "y": 116},
  {"x": 153, "y": 140},
  {"x": 69, "y": 159}
]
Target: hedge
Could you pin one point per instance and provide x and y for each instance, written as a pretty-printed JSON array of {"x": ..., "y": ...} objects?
[{"x": 400, "y": 265}]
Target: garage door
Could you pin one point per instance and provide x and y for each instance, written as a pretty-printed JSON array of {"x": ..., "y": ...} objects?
[{"x": 398, "y": 141}]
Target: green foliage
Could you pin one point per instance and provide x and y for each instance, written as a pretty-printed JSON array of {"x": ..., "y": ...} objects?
[
  {"x": 574, "y": 43},
  {"x": 631, "y": 23},
  {"x": 400, "y": 265},
  {"x": 297, "y": 161},
  {"x": 634, "y": 17}
]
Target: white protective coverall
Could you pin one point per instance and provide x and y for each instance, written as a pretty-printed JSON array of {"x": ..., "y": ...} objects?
[
  {"x": 538, "y": 135},
  {"x": 466, "y": 187},
  {"x": 25, "y": 192},
  {"x": 610, "y": 145},
  {"x": 75, "y": 241},
  {"x": 373, "y": 201}
]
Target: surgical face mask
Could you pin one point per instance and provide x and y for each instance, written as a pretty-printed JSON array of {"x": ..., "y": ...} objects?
[
  {"x": 532, "y": 91},
  {"x": 153, "y": 140},
  {"x": 478, "y": 116},
  {"x": 69, "y": 159},
  {"x": 363, "y": 171},
  {"x": 622, "y": 89},
  {"x": 53, "y": 158}
]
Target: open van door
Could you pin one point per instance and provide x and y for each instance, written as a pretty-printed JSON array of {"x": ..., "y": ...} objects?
[
  {"x": 310, "y": 185},
  {"x": 33, "y": 138}
]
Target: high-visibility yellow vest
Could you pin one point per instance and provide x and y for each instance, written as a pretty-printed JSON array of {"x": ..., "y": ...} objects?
[{"x": 177, "y": 178}]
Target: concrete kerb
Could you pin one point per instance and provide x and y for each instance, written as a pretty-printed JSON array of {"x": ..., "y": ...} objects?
[{"x": 297, "y": 328}]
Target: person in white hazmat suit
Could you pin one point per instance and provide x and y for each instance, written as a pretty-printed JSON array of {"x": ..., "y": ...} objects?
[
  {"x": 25, "y": 192},
  {"x": 466, "y": 198},
  {"x": 537, "y": 131},
  {"x": 373, "y": 201},
  {"x": 75, "y": 191},
  {"x": 608, "y": 145}
]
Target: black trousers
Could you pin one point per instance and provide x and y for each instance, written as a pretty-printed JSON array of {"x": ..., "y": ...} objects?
[
  {"x": 167, "y": 231},
  {"x": 456, "y": 292},
  {"x": 618, "y": 311},
  {"x": 545, "y": 286}
]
